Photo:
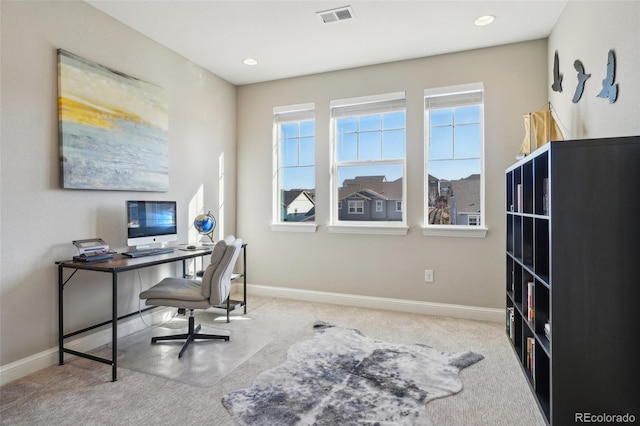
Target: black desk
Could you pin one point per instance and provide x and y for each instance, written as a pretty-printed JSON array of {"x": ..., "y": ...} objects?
[{"x": 114, "y": 266}]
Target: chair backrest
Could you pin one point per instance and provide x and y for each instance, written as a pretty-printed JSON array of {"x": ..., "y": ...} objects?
[{"x": 216, "y": 281}]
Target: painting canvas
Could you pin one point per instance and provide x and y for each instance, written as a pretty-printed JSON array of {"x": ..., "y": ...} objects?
[{"x": 113, "y": 129}]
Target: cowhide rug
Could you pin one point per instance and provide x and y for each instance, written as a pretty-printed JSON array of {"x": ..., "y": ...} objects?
[{"x": 342, "y": 377}]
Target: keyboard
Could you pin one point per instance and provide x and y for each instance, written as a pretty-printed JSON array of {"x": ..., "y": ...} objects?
[{"x": 148, "y": 252}]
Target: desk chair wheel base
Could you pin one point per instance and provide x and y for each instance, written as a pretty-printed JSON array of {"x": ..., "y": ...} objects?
[{"x": 190, "y": 336}]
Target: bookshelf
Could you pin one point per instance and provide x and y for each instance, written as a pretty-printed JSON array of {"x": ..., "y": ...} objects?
[{"x": 573, "y": 276}]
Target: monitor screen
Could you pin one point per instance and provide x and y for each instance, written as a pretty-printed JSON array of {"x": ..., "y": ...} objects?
[{"x": 150, "y": 222}]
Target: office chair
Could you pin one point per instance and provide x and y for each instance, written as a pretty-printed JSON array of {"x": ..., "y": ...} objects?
[{"x": 212, "y": 290}]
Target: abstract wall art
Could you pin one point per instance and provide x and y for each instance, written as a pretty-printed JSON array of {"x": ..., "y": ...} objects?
[{"x": 113, "y": 128}]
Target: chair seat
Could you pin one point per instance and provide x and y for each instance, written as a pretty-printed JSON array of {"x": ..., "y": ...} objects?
[
  {"x": 175, "y": 288},
  {"x": 176, "y": 292}
]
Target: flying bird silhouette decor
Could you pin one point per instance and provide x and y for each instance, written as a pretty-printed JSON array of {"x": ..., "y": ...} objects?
[
  {"x": 609, "y": 88},
  {"x": 557, "y": 77},
  {"x": 582, "y": 78}
]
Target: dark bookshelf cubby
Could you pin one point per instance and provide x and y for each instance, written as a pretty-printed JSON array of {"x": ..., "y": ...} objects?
[{"x": 572, "y": 237}]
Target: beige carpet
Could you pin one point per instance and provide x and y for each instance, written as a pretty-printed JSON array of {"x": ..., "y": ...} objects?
[{"x": 80, "y": 392}]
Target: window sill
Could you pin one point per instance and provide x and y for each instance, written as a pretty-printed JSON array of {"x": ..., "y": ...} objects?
[
  {"x": 455, "y": 231},
  {"x": 369, "y": 229},
  {"x": 294, "y": 227}
]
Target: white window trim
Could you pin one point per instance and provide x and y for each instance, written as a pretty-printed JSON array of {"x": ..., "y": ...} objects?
[
  {"x": 464, "y": 231},
  {"x": 294, "y": 227},
  {"x": 368, "y": 227},
  {"x": 276, "y": 225},
  {"x": 371, "y": 228}
]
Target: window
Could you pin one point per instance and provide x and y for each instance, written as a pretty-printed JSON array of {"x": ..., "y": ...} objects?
[
  {"x": 356, "y": 207},
  {"x": 294, "y": 164},
  {"x": 368, "y": 160},
  {"x": 454, "y": 151}
]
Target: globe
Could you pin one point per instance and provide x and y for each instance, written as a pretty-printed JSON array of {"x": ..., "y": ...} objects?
[{"x": 205, "y": 224}]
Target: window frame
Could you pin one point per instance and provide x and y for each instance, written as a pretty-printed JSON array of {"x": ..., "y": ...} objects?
[
  {"x": 290, "y": 114},
  {"x": 474, "y": 231},
  {"x": 360, "y": 105}
]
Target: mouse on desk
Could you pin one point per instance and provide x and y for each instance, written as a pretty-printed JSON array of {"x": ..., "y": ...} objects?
[{"x": 191, "y": 247}]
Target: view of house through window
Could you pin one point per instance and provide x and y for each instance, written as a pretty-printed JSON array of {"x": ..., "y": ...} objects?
[
  {"x": 454, "y": 156},
  {"x": 294, "y": 163},
  {"x": 368, "y": 167}
]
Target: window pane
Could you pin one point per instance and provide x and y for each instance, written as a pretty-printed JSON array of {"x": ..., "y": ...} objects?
[
  {"x": 453, "y": 168},
  {"x": 298, "y": 178},
  {"x": 297, "y": 195},
  {"x": 289, "y": 130},
  {"x": 370, "y": 146},
  {"x": 370, "y": 122},
  {"x": 347, "y": 125},
  {"x": 307, "y": 151},
  {"x": 394, "y": 144},
  {"x": 467, "y": 141},
  {"x": 441, "y": 117},
  {"x": 364, "y": 186},
  {"x": 289, "y": 152},
  {"x": 468, "y": 114},
  {"x": 453, "y": 192},
  {"x": 441, "y": 143},
  {"x": 394, "y": 120},
  {"x": 294, "y": 174},
  {"x": 307, "y": 128},
  {"x": 347, "y": 147}
]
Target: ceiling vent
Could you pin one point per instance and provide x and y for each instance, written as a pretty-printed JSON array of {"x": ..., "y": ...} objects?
[{"x": 336, "y": 15}]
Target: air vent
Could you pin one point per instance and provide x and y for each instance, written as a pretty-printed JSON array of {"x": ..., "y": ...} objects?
[{"x": 336, "y": 15}]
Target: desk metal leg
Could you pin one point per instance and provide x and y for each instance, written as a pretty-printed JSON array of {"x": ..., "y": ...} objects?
[
  {"x": 60, "y": 318},
  {"x": 114, "y": 326}
]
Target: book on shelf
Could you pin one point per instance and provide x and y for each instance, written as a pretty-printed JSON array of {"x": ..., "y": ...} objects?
[
  {"x": 519, "y": 198},
  {"x": 545, "y": 196},
  {"x": 547, "y": 330},
  {"x": 531, "y": 348},
  {"x": 512, "y": 324},
  {"x": 530, "y": 295}
]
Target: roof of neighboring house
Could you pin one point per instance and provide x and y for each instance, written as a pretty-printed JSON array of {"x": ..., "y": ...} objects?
[
  {"x": 467, "y": 193},
  {"x": 371, "y": 187}
]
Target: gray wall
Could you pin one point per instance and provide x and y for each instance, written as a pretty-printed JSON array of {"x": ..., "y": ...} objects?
[
  {"x": 468, "y": 271},
  {"x": 38, "y": 219},
  {"x": 587, "y": 31}
]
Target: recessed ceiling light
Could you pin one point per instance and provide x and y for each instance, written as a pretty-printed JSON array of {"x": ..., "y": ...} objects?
[
  {"x": 485, "y": 20},
  {"x": 250, "y": 62}
]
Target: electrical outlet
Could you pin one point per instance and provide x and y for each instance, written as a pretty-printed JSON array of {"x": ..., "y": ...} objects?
[{"x": 428, "y": 275}]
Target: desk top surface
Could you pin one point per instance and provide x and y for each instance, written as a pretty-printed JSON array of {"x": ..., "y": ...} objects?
[{"x": 120, "y": 262}]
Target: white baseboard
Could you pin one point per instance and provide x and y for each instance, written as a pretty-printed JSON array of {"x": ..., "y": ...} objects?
[
  {"x": 49, "y": 357},
  {"x": 402, "y": 305}
]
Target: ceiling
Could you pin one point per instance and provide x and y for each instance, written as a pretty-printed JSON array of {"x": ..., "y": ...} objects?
[{"x": 289, "y": 39}]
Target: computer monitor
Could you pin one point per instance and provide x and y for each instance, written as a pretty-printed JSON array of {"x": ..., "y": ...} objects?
[{"x": 150, "y": 222}]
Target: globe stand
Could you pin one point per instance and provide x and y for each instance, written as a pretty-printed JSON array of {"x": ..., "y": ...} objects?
[{"x": 207, "y": 241}]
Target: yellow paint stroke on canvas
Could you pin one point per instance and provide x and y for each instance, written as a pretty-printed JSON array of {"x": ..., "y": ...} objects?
[{"x": 77, "y": 112}]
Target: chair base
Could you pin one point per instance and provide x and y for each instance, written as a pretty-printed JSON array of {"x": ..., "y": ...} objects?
[{"x": 190, "y": 336}]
